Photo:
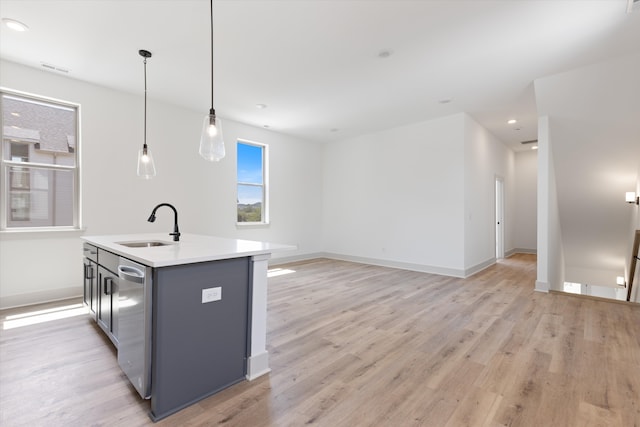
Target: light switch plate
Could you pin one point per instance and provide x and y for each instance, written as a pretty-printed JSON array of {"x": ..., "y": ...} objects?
[{"x": 211, "y": 294}]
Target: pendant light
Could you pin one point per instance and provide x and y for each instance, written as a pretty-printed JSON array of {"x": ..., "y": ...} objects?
[
  {"x": 211, "y": 142},
  {"x": 146, "y": 166}
]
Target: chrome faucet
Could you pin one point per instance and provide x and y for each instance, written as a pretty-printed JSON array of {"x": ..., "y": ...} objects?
[{"x": 176, "y": 232}]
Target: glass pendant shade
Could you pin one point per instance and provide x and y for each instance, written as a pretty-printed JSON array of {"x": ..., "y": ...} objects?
[
  {"x": 211, "y": 142},
  {"x": 146, "y": 166}
]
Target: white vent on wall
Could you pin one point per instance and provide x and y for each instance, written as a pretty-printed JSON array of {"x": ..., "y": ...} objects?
[{"x": 633, "y": 6}]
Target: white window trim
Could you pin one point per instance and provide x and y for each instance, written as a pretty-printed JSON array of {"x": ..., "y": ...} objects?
[
  {"x": 265, "y": 178},
  {"x": 77, "y": 201}
]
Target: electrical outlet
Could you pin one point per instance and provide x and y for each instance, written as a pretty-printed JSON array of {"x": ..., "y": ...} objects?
[{"x": 211, "y": 294}]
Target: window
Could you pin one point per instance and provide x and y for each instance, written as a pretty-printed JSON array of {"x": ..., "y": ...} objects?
[
  {"x": 252, "y": 183},
  {"x": 39, "y": 170}
]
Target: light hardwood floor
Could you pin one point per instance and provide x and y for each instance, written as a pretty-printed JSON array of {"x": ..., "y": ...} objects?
[{"x": 360, "y": 345}]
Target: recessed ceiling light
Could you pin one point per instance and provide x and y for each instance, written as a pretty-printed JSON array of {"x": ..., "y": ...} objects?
[
  {"x": 445, "y": 101},
  {"x": 512, "y": 121},
  {"x": 385, "y": 53},
  {"x": 15, "y": 25},
  {"x": 535, "y": 147},
  {"x": 261, "y": 106},
  {"x": 265, "y": 126},
  {"x": 14, "y": 114}
]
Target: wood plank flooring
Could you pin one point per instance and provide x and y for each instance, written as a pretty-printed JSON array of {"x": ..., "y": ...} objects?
[{"x": 360, "y": 345}]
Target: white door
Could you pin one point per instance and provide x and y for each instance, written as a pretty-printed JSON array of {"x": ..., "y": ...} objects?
[{"x": 499, "y": 218}]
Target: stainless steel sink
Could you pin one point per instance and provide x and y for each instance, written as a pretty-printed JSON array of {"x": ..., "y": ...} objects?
[{"x": 144, "y": 244}]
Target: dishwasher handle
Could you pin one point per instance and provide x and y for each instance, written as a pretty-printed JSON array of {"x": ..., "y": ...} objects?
[{"x": 130, "y": 274}]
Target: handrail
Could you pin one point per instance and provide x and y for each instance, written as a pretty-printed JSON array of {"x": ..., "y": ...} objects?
[{"x": 632, "y": 267}]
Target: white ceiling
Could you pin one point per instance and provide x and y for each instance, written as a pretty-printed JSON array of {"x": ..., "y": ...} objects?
[{"x": 315, "y": 63}]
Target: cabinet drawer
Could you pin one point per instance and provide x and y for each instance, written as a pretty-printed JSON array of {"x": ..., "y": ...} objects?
[
  {"x": 90, "y": 251},
  {"x": 108, "y": 260}
]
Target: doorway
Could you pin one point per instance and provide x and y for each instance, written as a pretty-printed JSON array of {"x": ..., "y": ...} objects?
[{"x": 499, "y": 218}]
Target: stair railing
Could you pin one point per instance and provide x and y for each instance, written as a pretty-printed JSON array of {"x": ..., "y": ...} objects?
[{"x": 632, "y": 267}]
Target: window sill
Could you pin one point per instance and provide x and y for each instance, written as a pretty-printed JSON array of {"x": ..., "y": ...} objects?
[
  {"x": 252, "y": 224},
  {"x": 41, "y": 230}
]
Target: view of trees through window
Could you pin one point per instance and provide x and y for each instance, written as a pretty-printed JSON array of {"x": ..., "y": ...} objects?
[
  {"x": 39, "y": 164},
  {"x": 251, "y": 182}
]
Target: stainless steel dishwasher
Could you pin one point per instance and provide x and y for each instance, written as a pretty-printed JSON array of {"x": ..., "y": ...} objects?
[{"x": 134, "y": 323}]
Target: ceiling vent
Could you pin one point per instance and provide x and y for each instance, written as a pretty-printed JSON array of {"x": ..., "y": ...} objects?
[
  {"x": 533, "y": 141},
  {"x": 633, "y": 6},
  {"x": 52, "y": 67}
]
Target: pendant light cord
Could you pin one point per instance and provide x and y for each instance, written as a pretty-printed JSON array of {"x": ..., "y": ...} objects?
[
  {"x": 145, "y": 104},
  {"x": 212, "y": 110}
]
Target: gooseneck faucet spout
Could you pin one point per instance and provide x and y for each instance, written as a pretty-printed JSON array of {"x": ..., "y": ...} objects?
[{"x": 176, "y": 232}]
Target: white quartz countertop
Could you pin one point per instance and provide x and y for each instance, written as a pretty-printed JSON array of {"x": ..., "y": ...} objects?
[{"x": 190, "y": 249}]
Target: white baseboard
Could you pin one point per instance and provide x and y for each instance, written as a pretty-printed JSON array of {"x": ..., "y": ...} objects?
[
  {"x": 296, "y": 258},
  {"x": 257, "y": 366},
  {"x": 443, "y": 271},
  {"x": 397, "y": 264},
  {"x": 31, "y": 298},
  {"x": 542, "y": 287},
  {"x": 520, "y": 251},
  {"x": 479, "y": 267}
]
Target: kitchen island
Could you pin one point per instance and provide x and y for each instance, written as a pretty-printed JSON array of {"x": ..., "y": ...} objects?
[{"x": 198, "y": 321}]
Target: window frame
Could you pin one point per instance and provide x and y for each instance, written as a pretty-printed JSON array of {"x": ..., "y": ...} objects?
[
  {"x": 7, "y": 164},
  {"x": 265, "y": 184}
]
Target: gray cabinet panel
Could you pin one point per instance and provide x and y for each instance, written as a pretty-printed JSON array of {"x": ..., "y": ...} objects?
[
  {"x": 90, "y": 292},
  {"x": 198, "y": 348},
  {"x": 90, "y": 278},
  {"x": 107, "y": 315}
]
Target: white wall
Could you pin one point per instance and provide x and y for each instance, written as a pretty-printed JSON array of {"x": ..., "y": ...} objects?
[
  {"x": 419, "y": 196},
  {"x": 550, "y": 248},
  {"x": 397, "y": 196},
  {"x": 44, "y": 266},
  {"x": 485, "y": 159},
  {"x": 556, "y": 260},
  {"x": 525, "y": 218}
]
